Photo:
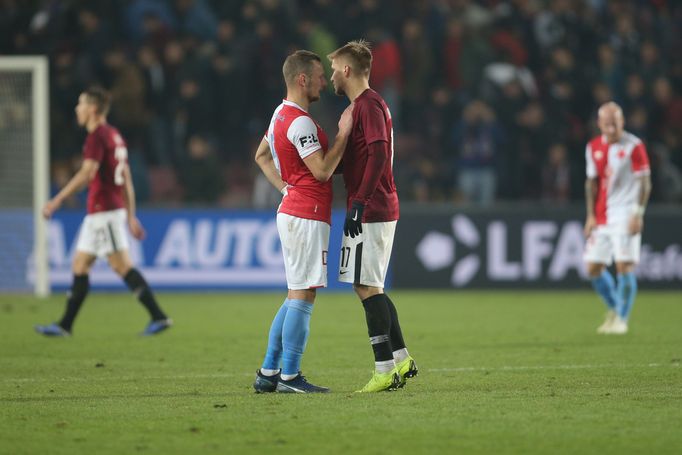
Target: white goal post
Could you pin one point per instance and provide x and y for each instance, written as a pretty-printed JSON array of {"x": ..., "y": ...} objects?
[{"x": 35, "y": 67}]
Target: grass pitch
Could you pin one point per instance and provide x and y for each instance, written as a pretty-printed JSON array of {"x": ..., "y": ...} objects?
[{"x": 514, "y": 372}]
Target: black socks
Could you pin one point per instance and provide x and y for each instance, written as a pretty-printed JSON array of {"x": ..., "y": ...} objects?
[
  {"x": 79, "y": 290},
  {"x": 397, "y": 341},
  {"x": 378, "y": 318},
  {"x": 138, "y": 285}
]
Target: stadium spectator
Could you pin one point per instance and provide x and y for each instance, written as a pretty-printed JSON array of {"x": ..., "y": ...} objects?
[
  {"x": 579, "y": 55},
  {"x": 476, "y": 140}
]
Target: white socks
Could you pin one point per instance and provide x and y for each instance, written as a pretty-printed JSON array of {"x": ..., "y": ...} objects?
[{"x": 400, "y": 355}]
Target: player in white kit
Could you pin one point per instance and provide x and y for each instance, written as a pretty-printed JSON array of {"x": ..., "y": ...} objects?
[
  {"x": 616, "y": 192},
  {"x": 293, "y": 156}
]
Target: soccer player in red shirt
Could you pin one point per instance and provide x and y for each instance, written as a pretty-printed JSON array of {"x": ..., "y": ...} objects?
[
  {"x": 372, "y": 214},
  {"x": 293, "y": 156},
  {"x": 111, "y": 205},
  {"x": 616, "y": 193}
]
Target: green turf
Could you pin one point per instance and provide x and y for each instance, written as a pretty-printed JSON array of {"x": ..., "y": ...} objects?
[{"x": 515, "y": 372}]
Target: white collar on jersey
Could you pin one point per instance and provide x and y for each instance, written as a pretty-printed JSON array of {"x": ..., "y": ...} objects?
[{"x": 291, "y": 103}]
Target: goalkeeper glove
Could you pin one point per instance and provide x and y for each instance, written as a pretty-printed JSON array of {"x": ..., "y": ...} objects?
[{"x": 353, "y": 224}]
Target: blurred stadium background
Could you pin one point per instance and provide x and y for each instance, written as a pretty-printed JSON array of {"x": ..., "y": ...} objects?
[
  {"x": 501, "y": 92},
  {"x": 504, "y": 92}
]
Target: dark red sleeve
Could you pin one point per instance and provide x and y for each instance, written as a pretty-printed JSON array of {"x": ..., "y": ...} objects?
[
  {"x": 377, "y": 156},
  {"x": 373, "y": 122},
  {"x": 640, "y": 159},
  {"x": 93, "y": 148}
]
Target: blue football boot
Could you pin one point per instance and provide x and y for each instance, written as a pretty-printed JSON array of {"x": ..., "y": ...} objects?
[
  {"x": 52, "y": 330},
  {"x": 299, "y": 385},
  {"x": 265, "y": 384},
  {"x": 157, "y": 326}
]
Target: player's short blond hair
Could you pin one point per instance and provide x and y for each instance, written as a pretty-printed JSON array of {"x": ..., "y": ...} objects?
[
  {"x": 358, "y": 54},
  {"x": 299, "y": 62},
  {"x": 100, "y": 97}
]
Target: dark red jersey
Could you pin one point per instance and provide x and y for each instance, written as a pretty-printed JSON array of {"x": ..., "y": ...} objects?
[
  {"x": 106, "y": 146},
  {"x": 371, "y": 123}
]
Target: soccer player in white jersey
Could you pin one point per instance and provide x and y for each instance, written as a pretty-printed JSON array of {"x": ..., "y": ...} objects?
[
  {"x": 616, "y": 192},
  {"x": 294, "y": 157}
]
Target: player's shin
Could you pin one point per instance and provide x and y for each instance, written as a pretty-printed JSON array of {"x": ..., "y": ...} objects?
[
  {"x": 79, "y": 290},
  {"x": 627, "y": 290},
  {"x": 605, "y": 286},
  {"x": 378, "y": 318},
  {"x": 273, "y": 355},
  {"x": 396, "y": 333},
  {"x": 138, "y": 285},
  {"x": 295, "y": 332}
]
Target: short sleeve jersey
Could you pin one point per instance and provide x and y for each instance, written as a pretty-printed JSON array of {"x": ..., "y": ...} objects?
[
  {"x": 371, "y": 123},
  {"x": 293, "y": 135},
  {"x": 106, "y": 146},
  {"x": 616, "y": 167}
]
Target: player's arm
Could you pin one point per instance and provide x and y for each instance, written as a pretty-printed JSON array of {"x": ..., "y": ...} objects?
[
  {"x": 640, "y": 167},
  {"x": 637, "y": 219},
  {"x": 590, "y": 196},
  {"x": 83, "y": 177},
  {"x": 267, "y": 165},
  {"x": 378, "y": 154},
  {"x": 323, "y": 164},
  {"x": 591, "y": 186},
  {"x": 129, "y": 196}
]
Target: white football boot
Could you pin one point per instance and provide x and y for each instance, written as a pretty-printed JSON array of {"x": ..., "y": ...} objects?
[
  {"x": 608, "y": 322},
  {"x": 618, "y": 327}
]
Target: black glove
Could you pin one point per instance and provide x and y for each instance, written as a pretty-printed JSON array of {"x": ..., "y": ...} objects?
[{"x": 353, "y": 224}]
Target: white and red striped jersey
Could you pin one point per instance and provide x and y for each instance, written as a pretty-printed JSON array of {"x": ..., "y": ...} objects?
[
  {"x": 293, "y": 135},
  {"x": 616, "y": 167}
]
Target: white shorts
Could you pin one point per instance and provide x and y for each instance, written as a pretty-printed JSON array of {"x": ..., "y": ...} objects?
[
  {"x": 103, "y": 233},
  {"x": 607, "y": 243},
  {"x": 304, "y": 245},
  {"x": 364, "y": 259}
]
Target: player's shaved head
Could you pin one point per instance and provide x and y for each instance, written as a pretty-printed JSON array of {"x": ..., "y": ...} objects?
[
  {"x": 100, "y": 98},
  {"x": 610, "y": 109},
  {"x": 300, "y": 62},
  {"x": 610, "y": 120},
  {"x": 356, "y": 54}
]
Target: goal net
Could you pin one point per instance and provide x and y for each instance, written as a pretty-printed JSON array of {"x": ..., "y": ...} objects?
[{"x": 24, "y": 180}]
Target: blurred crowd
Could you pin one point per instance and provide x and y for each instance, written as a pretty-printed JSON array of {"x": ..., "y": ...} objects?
[{"x": 492, "y": 100}]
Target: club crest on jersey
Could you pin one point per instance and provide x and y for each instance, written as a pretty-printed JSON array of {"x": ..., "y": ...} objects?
[
  {"x": 310, "y": 139},
  {"x": 621, "y": 153},
  {"x": 598, "y": 155}
]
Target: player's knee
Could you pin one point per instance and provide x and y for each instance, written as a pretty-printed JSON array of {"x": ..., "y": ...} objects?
[
  {"x": 594, "y": 269},
  {"x": 625, "y": 267}
]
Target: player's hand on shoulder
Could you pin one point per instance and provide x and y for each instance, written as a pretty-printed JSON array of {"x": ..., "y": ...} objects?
[
  {"x": 346, "y": 120},
  {"x": 136, "y": 228}
]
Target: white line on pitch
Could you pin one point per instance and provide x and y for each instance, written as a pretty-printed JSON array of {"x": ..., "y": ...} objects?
[
  {"x": 430, "y": 370},
  {"x": 548, "y": 367}
]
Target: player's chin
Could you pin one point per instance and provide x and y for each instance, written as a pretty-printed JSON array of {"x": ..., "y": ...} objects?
[{"x": 339, "y": 91}]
